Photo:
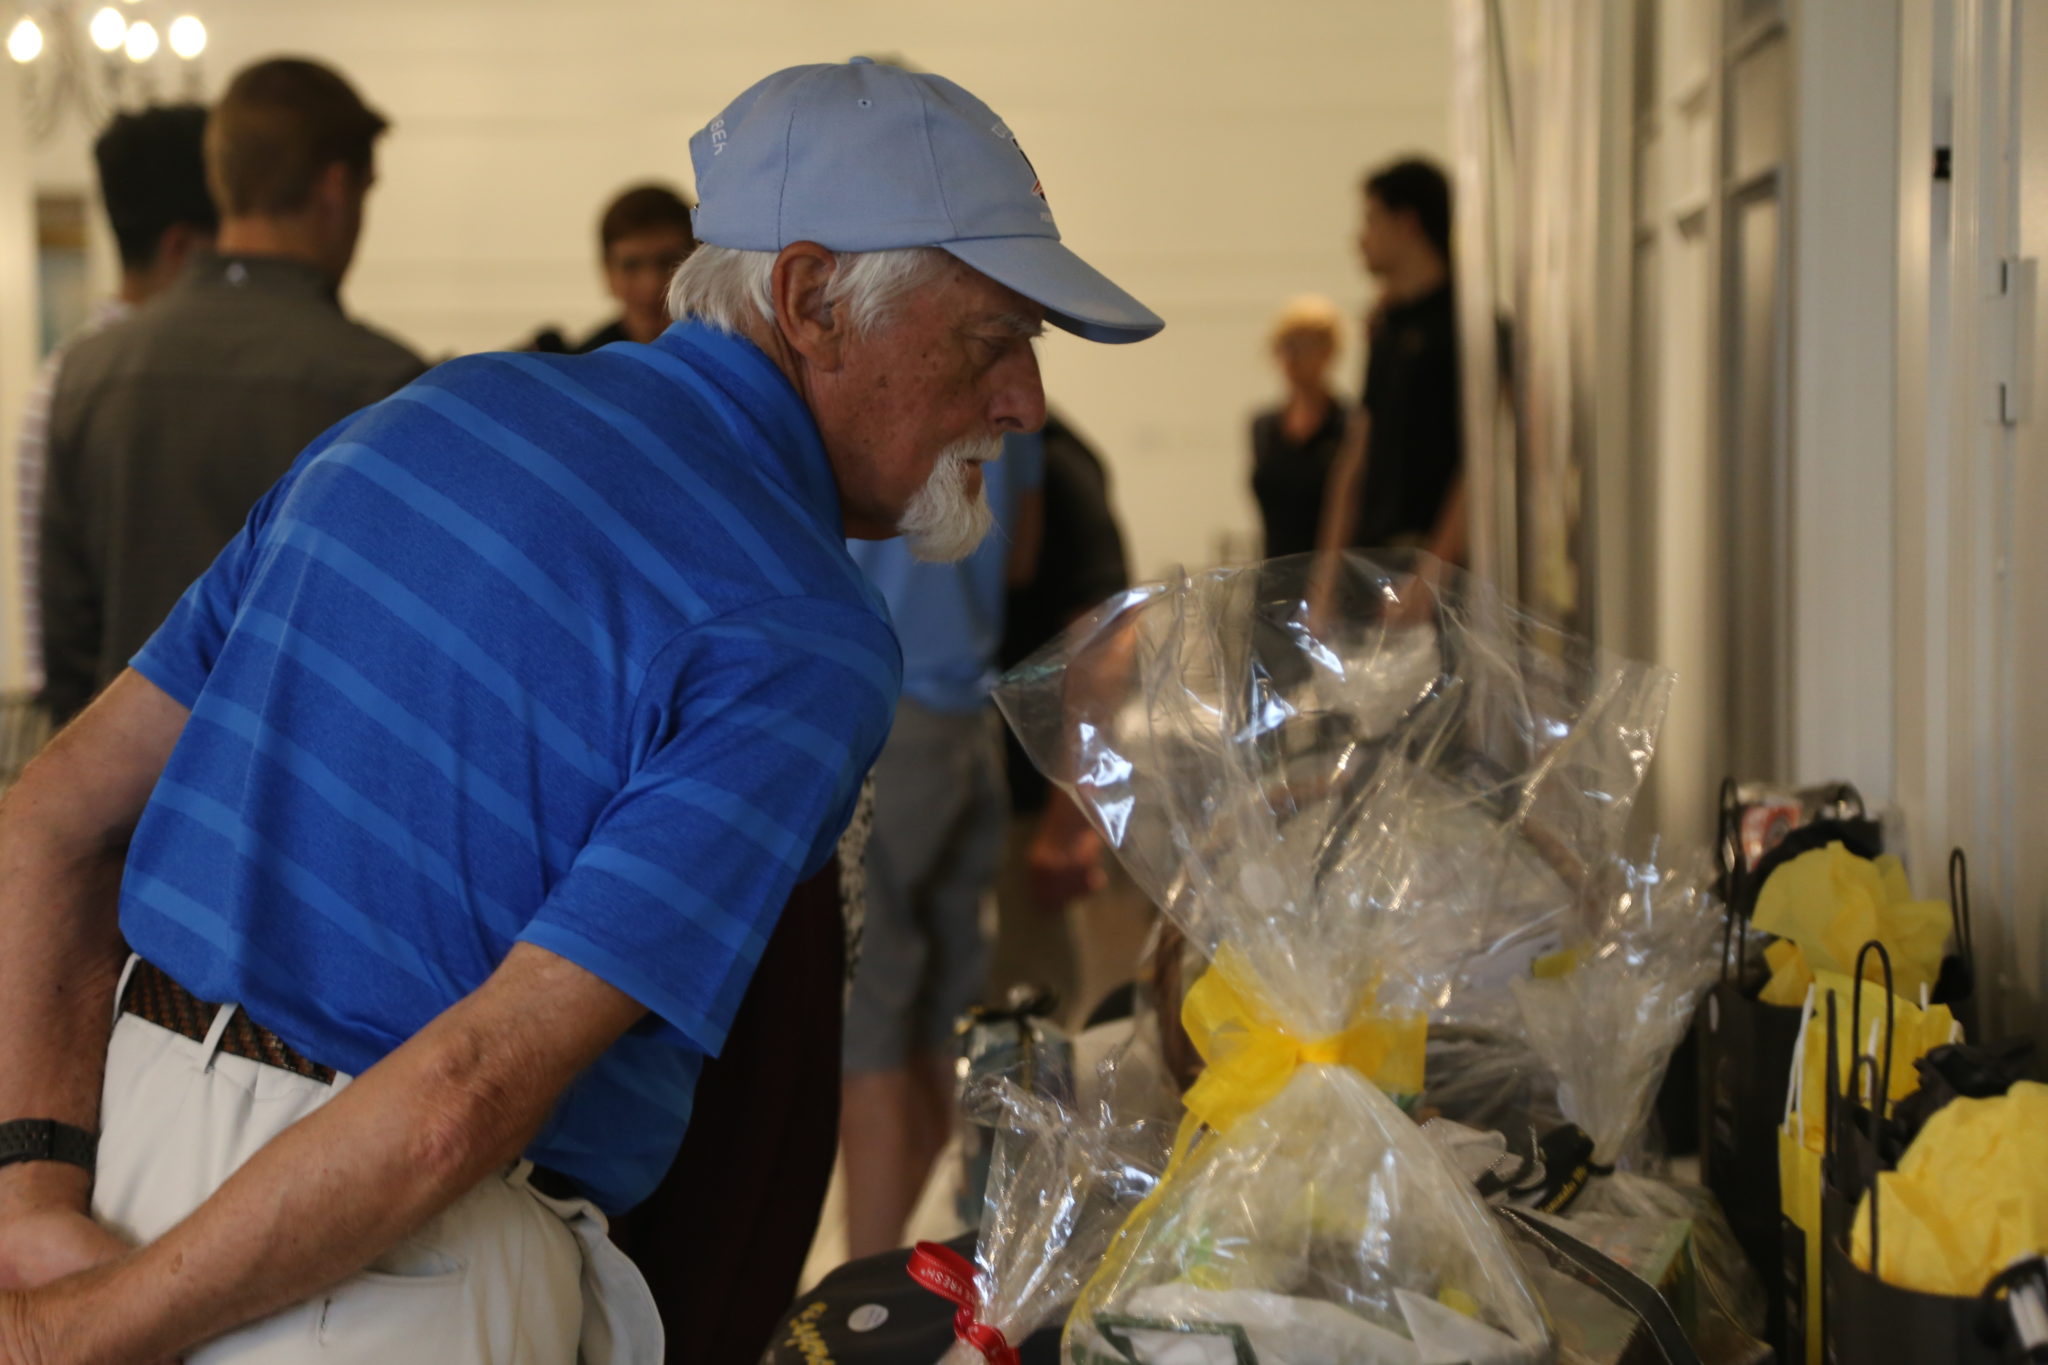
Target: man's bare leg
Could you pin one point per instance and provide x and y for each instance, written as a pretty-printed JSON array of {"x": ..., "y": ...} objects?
[
  {"x": 879, "y": 1124},
  {"x": 892, "y": 1127}
]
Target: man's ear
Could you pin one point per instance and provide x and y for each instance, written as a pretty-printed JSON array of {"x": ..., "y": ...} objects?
[
  {"x": 177, "y": 244},
  {"x": 807, "y": 322},
  {"x": 338, "y": 187},
  {"x": 1412, "y": 222}
]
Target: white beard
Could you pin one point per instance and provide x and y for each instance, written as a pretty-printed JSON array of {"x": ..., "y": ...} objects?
[{"x": 943, "y": 524}]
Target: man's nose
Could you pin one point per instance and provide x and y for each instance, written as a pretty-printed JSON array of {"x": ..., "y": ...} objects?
[{"x": 1019, "y": 403}]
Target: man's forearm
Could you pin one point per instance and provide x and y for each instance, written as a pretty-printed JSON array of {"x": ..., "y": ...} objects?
[
  {"x": 1340, "y": 518},
  {"x": 334, "y": 1191},
  {"x": 1341, "y": 489},
  {"x": 1452, "y": 535},
  {"x": 58, "y": 970},
  {"x": 64, "y": 828},
  {"x": 60, "y": 955}
]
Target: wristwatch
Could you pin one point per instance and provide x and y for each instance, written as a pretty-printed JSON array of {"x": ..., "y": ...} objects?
[{"x": 47, "y": 1140}]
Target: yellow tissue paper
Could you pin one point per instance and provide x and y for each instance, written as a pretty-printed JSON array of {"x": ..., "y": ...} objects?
[
  {"x": 1790, "y": 976},
  {"x": 1969, "y": 1197},
  {"x": 1830, "y": 903}
]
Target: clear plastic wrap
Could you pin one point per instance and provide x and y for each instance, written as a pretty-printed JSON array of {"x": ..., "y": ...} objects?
[
  {"x": 1325, "y": 1198},
  {"x": 1605, "y": 1013},
  {"x": 1727, "y": 1321},
  {"x": 1062, "y": 1181},
  {"x": 1366, "y": 821},
  {"x": 1413, "y": 787}
]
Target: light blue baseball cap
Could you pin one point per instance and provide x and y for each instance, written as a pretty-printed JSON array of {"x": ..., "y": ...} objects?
[{"x": 868, "y": 157}]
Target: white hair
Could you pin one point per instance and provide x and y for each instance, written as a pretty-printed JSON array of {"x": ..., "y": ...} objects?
[{"x": 723, "y": 286}]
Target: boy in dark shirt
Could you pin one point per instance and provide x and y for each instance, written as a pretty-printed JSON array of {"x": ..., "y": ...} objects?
[{"x": 1400, "y": 480}]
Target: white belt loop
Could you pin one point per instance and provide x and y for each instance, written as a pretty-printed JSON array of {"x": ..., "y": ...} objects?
[
  {"x": 210, "y": 1047},
  {"x": 121, "y": 986}
]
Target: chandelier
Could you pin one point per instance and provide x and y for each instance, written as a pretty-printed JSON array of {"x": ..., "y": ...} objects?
[{"x": 96, "y": 59}]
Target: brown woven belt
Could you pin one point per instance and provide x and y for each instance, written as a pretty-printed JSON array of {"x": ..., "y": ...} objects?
[{"x": 153, "y": 996}]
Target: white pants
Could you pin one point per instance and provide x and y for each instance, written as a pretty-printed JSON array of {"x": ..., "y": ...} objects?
[{"x": 504, "y": 1277}]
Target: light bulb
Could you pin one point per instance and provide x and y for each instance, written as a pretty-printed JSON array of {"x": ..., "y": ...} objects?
[
  {"x": 142, "y": 41},
  {"x": 188, "y": 36},
  {"x": 25, "y": 41},
  {"x": 107, "y": 29}
]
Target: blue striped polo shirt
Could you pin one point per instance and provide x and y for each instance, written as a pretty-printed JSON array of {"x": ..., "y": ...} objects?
[{"x": 562, "y": 649}]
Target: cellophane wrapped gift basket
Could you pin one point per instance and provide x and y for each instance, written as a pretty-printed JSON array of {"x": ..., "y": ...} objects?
[{"x": 1377, "y": 804}]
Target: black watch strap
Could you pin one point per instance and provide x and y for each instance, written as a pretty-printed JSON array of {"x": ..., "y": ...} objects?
[{"x": 47, "y": 1140}]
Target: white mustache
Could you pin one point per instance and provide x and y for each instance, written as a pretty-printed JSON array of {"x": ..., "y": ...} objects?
[
  {"x": 974, "y": 450},
  {"x": 943, "y": 523}
]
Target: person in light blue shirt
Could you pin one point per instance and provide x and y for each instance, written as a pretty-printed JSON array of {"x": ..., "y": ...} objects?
[
  {"x": 450, "y": 811},
  {"x": 940, "y": 810},
  {"x": 949, "y": 617}
]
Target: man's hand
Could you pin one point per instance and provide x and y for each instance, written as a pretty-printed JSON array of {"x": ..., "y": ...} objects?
[
  {"x": 28, "y": 1331},
  {"x": 1065, "y": 858},
  {"x": 36, "y": 1248}
]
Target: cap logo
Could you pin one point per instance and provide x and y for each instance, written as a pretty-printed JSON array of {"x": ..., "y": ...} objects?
[
  {"x": 1037, "y": 185},
  {"x": 718, "y": 136}
]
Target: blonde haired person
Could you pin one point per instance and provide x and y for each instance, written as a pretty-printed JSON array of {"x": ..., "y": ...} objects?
[{"x": 1295, "y": 443}]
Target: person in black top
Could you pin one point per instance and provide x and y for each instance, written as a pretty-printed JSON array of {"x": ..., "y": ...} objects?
[
  {"x": 1400, "y": 480},
  {"x": 1295, "y": 444},
  {"x": 1053, "y": 856},
  {"x": 644, "y": 235}
]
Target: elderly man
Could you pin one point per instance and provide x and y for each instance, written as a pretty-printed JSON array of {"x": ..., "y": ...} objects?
[{"x": 474, "y": 772}]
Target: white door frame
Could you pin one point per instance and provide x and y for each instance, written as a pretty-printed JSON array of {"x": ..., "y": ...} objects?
[{"x": 1971, "y": 725}]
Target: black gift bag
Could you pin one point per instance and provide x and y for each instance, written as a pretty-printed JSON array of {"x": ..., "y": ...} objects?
[
  {"x": 1874, "y": 1323},
  {"x": 1745, "y": 1046},
  {"x": 1866, "y": 1320},
  {"x": 1745, "y": 1062}
]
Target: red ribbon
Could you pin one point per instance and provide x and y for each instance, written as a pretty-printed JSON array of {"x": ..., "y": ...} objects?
[{"x": 950, "y": 1275}]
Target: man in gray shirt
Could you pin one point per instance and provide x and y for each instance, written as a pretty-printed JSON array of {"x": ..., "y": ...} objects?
[{"x": 166, "y": 429}]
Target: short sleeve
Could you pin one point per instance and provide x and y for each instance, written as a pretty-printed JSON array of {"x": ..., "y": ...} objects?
[
  {"x": 752, "y": 738},
  {"x": 180, "y": 656}
]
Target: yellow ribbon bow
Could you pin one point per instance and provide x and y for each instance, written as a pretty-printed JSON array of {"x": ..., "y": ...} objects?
[{"x": 1250, "y": 1056}]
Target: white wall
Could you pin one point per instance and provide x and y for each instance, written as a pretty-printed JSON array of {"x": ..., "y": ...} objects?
[
  {"x": 1845, "y": 251},
  {"x": 1661, "y": 580},
  {"x": 1205, "y": 154},
  {"x": 17, "y": 343}
]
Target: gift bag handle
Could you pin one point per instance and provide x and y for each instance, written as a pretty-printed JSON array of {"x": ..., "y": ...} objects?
[
  {"x": 1959, "y": 905},
  {"x": 1883, "y": 1096},
  {"x": 1855, "y": 1074}
]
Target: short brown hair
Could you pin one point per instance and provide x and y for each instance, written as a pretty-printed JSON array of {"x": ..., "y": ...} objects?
[
  {"x": 280, "y": 125},
  {"x": 1413, "y": 185},
  {"x": 644, "y": 208}
]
